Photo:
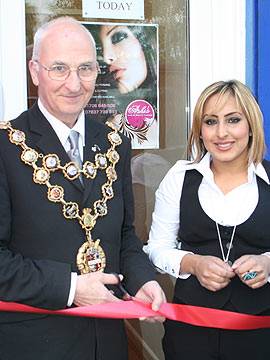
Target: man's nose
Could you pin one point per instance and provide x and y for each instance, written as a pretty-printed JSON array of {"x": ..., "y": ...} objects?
[{"x": 73, "y": 82}]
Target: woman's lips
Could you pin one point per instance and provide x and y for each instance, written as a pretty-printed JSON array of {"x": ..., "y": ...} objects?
[
  {"x": 224, "y": 145},
  {"x": 116, "y": 71}
]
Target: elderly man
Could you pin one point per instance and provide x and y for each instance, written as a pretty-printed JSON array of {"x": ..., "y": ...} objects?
[{"x": 66, "y": 211}]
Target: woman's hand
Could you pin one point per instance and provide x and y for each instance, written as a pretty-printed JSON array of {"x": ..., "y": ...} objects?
[
  {"x": 212, "y": 273},
  {"x": 260, "y": 264}
]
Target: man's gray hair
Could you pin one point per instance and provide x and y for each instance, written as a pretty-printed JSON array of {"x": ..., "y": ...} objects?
[{"x": 41, "y": 31}]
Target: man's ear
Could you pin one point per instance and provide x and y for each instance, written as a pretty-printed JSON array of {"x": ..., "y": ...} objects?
[{"x": 33, "y": 68}]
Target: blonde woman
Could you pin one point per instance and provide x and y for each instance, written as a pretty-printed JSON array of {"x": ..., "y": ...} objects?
[{"x": 211, "y": 229}]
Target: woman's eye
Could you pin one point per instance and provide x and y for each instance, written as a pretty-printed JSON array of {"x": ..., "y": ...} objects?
[
  {"x": 234, "y": 120},
  {"x": 119, "y": 36},
  {"x": 210, "y": 121}
]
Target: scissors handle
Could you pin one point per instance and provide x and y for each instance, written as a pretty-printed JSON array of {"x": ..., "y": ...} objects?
[{"x": 125, "y": 295}]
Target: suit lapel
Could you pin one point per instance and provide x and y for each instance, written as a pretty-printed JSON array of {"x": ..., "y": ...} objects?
[
  {"x": 95, "y": 143},
  {"x": 47, "y": 141}
]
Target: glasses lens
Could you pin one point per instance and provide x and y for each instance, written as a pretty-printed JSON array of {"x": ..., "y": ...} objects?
[
  {"x": 59, "y": 72},
  {"x": 87, "y": 72}
]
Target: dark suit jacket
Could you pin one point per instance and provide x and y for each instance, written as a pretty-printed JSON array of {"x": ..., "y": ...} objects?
[{"x": 38, "y": 248}]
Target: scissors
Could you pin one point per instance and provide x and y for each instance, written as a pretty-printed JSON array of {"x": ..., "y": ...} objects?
[{"x": 125, "y": 295}]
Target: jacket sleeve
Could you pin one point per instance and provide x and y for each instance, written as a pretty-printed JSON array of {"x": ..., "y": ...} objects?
[
  {"x": 135, "y": 265},
  {"x": 40, "y": 283}
]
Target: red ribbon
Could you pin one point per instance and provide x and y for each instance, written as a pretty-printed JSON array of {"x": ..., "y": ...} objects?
[{"x": 193, "y": 315}]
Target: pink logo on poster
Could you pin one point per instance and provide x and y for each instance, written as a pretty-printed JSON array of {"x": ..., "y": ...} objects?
[{"x": 139, "y": 113}]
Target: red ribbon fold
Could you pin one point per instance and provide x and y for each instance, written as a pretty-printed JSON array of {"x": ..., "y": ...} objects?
[{"x": 189, "y": 314}]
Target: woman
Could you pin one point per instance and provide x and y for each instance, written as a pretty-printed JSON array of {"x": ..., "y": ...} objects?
[
  {"x": 128, "y": 61},
  {"x": 124, "y": 55},
  {"x": 210, "y": 226}
]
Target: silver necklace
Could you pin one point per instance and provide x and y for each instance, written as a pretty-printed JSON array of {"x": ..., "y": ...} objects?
[{"x": 225, "y": 258}]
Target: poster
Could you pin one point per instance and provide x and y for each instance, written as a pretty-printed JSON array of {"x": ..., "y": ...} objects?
[{"x": 126, "y": 91}]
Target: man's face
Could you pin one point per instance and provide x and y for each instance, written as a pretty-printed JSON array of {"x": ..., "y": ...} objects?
[{"x": 64, "y": 44}]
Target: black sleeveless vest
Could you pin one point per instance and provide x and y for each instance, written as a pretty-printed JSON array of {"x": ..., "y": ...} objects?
[{"x": 198, "y": 234}]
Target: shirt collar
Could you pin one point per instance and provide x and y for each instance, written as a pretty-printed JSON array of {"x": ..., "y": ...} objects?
[
  {"x": 204, "y": 168},
  {"x": 260, "y": 171},
  {"x": 62, "y": 130}
]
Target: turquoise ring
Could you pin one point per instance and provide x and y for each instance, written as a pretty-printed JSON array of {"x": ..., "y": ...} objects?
[{"x": 249, "y": 275}]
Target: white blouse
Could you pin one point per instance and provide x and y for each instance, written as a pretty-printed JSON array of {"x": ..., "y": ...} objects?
[{"x": 231, "y": 209}]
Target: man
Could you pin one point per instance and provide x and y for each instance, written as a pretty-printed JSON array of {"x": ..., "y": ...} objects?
[{"x": 58, "y": 216}]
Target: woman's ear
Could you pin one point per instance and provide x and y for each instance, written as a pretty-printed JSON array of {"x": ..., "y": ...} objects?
[{"x": 33, "y": 68}]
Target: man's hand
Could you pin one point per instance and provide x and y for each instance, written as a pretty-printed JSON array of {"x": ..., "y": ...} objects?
[
  {"x": 151, "y": 292},
  {"x": 91, "y": 289}
]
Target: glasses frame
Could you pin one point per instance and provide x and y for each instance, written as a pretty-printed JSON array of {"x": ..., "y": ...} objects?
[{"x": 77, "y": 69}]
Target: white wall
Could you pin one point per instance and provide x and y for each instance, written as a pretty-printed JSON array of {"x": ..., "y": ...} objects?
[
  {"x": 12, "y": 56},
  {"x": 2, "y": 105},
  {"x": 217, "y": 43}
]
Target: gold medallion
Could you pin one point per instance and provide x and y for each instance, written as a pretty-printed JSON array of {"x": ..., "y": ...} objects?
[
  {"x": 41, "y": 175},
  {"x": 101, "y": 161},
  {"x": 71, "y": 171},
  {"x": 29, "y": 156},
  {"x": 88, "y": 221},
  {"x": 91, "y": 257},
  {"x": 17, "y": 137},
  {"x": 89, "y": 170},
  {"x": 55, "y": 193}
]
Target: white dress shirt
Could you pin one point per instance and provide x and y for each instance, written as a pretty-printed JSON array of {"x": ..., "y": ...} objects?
[
  {"x": 62, "y": 131},
  {"x": 230, "y": 209}
]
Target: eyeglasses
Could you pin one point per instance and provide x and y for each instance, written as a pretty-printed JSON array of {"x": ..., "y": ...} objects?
[{"x": 60, "y": 72}]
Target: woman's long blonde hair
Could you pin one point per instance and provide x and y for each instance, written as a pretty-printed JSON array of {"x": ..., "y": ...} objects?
[{"x": 250, "y": 108}]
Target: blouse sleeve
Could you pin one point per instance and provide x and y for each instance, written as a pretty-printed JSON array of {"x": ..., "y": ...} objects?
[{"x": 163, "y": 247}]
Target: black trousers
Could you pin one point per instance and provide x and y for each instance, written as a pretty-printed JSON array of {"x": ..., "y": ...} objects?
[
  {"x": 187, "y": 342},
  {"x": 63, "y": 338}
]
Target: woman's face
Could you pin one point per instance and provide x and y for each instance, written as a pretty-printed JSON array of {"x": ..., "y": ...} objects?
[
  {"x": 225, "y": 130},
  {"x": 124, "y": 55}
]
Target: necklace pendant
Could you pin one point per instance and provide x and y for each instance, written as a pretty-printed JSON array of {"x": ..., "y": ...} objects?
[
  {"x": 91, "y": 257},
  {"x": 114, "y": 138},
  {"x": 71, "y": 171},
  {"x": 89, "y": 170},
  {"x": 41, "y": 176},
  {"x": 51, "y": 162},
  {"x": 17, "y": 137},
  {"x": 88, "y": 221},
  {"x": 101, "y": 161},
  {"x": 29, "y": 156}
]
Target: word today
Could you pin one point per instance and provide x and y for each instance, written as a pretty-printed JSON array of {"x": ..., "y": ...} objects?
[{"x": 112, "y": 5}]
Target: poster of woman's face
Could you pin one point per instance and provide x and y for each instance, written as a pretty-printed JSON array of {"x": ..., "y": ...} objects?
[{"x": 126, "y": 91}]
